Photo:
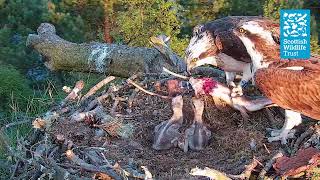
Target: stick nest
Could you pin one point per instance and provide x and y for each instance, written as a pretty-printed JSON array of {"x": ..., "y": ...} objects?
[{"x": 109, "y": 136}]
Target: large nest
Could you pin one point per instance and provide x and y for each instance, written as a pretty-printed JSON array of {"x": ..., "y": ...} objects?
[{"x": 73, "y": 143}]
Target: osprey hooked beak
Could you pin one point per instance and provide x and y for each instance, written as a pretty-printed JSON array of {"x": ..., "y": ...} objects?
[
  {"x": 192, "y": 63},
  {"x": 196, "y": 62},
  {"x": 201, "y": 49}
]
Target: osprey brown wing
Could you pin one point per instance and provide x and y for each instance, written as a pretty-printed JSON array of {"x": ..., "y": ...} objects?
[
  {"x": 297, "y": 90},
  {"x": 226, "y": 40},
  {"x": 231, "y": 45}
]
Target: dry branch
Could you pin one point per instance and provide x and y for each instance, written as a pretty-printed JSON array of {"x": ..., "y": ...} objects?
[
  {"x": 160, "y": 43},
  {"x": 113, "y": 59},
  {"x": 131, "y": 99},
  {"x": 74, "y": 93},
  {"x": 98, "y": 100},
  {"x": 146, "y": 91},
  {"x": 303, "y": 136},
  {"x": 89, "y": 167},
  {"x": 81, "y": 116},
  {"x": 98, "y": 86},
  {"x": 61, "y": 173},
  {"x": 268, "y": 165},
  {"x": 174, "y": 74},
  {"x": 148, "y": 175},
  {"x": 314, "y": 139}
]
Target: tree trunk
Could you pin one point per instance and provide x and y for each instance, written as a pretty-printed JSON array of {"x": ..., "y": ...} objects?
[
  {"x": 117, "y": 60},
  {"x": 107, "y": 23}
]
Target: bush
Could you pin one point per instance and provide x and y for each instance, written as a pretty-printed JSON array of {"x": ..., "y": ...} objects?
[{"x": 14, "y": 89}]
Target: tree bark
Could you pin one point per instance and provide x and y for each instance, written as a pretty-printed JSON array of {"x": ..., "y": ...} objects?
[
  {"x": 113, "y": 59},
  {"x": 106, "y": 30},
  {"x": 107, "y": 23}
]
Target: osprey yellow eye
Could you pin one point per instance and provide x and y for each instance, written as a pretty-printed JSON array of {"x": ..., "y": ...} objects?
[
  {"x": 241, "y": 30},
  {"x": 194, "y": 60}
]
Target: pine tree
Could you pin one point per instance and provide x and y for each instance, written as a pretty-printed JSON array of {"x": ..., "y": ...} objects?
[
  {"x": 272, "y": 10},
  {"x": 194, "y": 12},
  {"x": 138, "y": 20},
  {"x": 17, "y": 20}
]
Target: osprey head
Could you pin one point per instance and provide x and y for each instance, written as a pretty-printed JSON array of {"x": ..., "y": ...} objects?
[
  {"x": 201, "y": 49},
  {"x": 254, "y": 31},
  {"x": 260, "y": 39}
]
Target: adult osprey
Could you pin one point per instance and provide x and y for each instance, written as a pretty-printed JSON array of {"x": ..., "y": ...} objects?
[
  {"x": 285, "y": 82},
  {"x": 294, "y": 86},
  {"x": 215, "y": 43}
]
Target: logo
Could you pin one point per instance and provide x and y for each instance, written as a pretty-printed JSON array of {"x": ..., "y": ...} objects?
[{"x": 295, "y": 34}]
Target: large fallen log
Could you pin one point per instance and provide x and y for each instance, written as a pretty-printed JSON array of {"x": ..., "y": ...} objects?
[{"x": 114, "y": 59}]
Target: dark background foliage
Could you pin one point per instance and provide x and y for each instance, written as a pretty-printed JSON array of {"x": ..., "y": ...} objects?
[{"x": 27, "y": 88}]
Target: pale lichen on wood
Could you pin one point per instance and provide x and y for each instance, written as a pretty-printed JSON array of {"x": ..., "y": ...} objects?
[{"x": 99, "y": 56}]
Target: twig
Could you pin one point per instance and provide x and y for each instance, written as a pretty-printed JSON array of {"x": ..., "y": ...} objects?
[
  {"x": 314, "y": 139},
  {"x": 135, "y": 76},
  {"x": 53, "y": 151},
  {"x": 15, "y": 170},
  {"x": 105, "y": 159},
  {"x": 264, "y": 145},
  {"x": 146, "y": 91},
  {"x": 99, "y": 99},
  {"x": 95, "y": 88},
  {"x": 131, "y": 97},
  {"x": 74, "y": 93},
  {"x": 78, "y": 117},
  {"x": 247, "y": 172},
  {"x": 271, "y": 105},
  {"x": 62, "y": 173},
  {"x": 15, "y": 124},
  {"x": 304, "y": 135},
  {"x": 4, "y": 141},
  {"x": 160, "y": 43},
  {"x": 94, "y": 158},
  {"x": 89, "y": 167},
  {"x": 114, "y": 106},
  {"x": 174, "y": 74},
  {"x": 268, "y": 165}
]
